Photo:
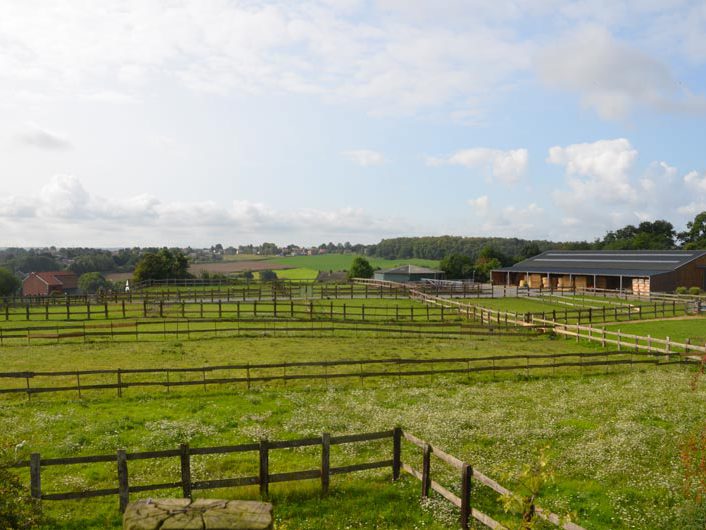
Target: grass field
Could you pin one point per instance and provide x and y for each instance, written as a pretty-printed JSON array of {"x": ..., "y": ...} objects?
[
  {"x": 300, "y": 273},
  {"x": 613, "y": 438},
  {"x": 693, "y": 328},
  {"x": 342, "y": 262}
]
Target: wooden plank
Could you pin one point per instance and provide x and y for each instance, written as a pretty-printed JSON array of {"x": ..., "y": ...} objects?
[
  {"x": 453, "y": 499},
  {"x": 142, "y": 455},
  {"x": 225, "y": 483},
  {"x": 224, "y": 449},
  {"x": 80, "y": 494},
  {"x": 340, "y": 470},
  {"x": 294, "y": 475},
  {"x": 285, "y": 444},
  {"x": 151, "y": 487}
]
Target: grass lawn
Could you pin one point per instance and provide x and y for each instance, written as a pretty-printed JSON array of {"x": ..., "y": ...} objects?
[
  {"x": 300, "y": 273},
  {"x": 613, "y": 438},
  {"x": 693, "y": 328},
  {"x": 340, "y": 262}
]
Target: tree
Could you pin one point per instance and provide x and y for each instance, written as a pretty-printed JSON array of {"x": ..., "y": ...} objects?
[
  {"x": 162, "y": 265},
  {"x": 268, "y": 275},
  {"x": 360, "y": 268},
  {"x": 656, "y": 235},
  {"x": 484, "y": 265},
  {"x": 90, "y": 282},
  {"x": 8, "y": 282},
  {"x": 457, "y": 266},
  {"x": 695, "y": 235}
]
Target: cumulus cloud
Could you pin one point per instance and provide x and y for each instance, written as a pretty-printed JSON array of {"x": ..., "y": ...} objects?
[
  {"x": 365, "y": 157},
  {"x": 42, "y": 138},
  {"x": 64, "y": 212},
  {"x": 611, "y": 76},
  {"x": 507, "y": 220},
  {"x": 598, "y": 170},
  {"x": 696, "y": 181},
  {"x": 507, "y": 167}
]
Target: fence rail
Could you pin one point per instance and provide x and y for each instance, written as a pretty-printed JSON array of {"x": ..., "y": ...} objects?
[
  {"x": 264, "y": 478},
  {"x": 120, "y": 380}
]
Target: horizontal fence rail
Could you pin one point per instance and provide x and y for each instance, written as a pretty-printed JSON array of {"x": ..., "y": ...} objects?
[
  {"x": 119, "y": 380},
  {"x": 188, "y": 483}
]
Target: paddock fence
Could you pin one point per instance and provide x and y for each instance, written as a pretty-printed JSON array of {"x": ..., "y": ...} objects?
[
  {"x": 244, "y": 376},
  {"x": 188, "y": 483}
]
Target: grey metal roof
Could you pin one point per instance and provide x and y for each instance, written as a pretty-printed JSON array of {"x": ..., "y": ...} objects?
[
  {"x": 410, "y": 269},
  {"x": 607, "y": 262}
]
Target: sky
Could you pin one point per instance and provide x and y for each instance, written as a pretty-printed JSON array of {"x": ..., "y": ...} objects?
[{"x": 195, "y": 122}]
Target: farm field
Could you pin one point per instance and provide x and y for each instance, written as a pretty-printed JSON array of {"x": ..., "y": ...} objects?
[
  {"x": 341, "y": 262},
  {"x": 613, "y": 437},
  {"x": 693, "y": 328}
]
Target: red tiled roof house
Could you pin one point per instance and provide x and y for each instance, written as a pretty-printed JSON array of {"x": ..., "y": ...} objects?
[{"x": 49, "y": 283}]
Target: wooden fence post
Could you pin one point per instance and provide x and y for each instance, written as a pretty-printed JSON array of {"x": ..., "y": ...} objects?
[
  {"x": 264, "y": 468},
  {"x": 426, "y": 471},
  {"x": 185, "y": 459},
  {"x": 120, "y": 383},
  {"x": 466, "y": 475},
  {"x": 35, "y": 477},
  {"x": 396, "y": 452},
  {"x": 325, "y": 462},
  {"x": 123, "y": 489}
]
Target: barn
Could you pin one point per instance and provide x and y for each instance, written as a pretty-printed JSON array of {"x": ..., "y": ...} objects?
[
  {"x": 50, "y": 283},
  {"x": 408, "y": 273},
  {"x": 636, "y": 270}
]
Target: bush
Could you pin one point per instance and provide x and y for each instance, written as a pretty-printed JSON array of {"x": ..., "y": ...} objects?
[
  {"x": 681, "y": 290},
  {"x": 361, "y": 268},
  {"x": 17, "y": 509},
  {"x": 268, "y": 276},
  {"x": 8, "y": 282},
  {"x": 695, "y": 290}
]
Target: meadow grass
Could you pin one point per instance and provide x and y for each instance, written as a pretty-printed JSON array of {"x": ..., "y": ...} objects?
[
  {"x": 613, "y": 435},
  {"x": 299, "y": 273},
  {"x": 343, "y": 262},
  {"x": 693, "y": 328}
]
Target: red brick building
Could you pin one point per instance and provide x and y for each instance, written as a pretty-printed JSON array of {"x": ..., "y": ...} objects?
[{"x": 49, "y": 283}]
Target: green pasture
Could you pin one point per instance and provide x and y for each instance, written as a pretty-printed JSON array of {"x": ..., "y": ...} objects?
[
  {"x": 693, "y": 328},
  {"x": 612, "y": 436},
  {"x": 300, "y": 273},
  {"x": 343, "y": 262}
]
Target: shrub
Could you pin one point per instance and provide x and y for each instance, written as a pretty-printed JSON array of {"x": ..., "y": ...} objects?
[
  {"x": 681, "y": 290},
  {"x": 695, "y": 290},
  {"x": 17, "y": 509}
]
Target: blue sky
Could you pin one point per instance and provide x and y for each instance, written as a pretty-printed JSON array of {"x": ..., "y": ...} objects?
[{"x": 189, "y": 122}]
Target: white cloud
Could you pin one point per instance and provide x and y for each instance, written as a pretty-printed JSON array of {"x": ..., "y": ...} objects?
[
  {"x": 508, "y": 221},
  {"x": 696, "y": 181},
  {"x": 479, "y": 204},
  {"x": 36, "y": 136},
  {"x": 597, "y": 171},
  {"x": 64, "y": 212},
  {"x": 365, "y": 157},
  {"x": 613, "y": 77},
  {"x": 507, "y": 167}
]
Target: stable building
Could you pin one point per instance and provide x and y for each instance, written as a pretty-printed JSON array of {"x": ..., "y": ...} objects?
[
  {"x": 408, "y": 273},
  {"x": 640, "y": 271},
  {"x": 50, "y": 283}
]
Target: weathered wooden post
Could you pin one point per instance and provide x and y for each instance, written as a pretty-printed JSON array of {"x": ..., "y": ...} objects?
[
  {"x": 123, "y": 488},
  {"x": 396, "y": 452},
  {"x": 185, "y": 461},
  {"x": 325, "y": 462},
  {"x": 426, "y": 471},
  {"x": 466, "y": 485},
  {"x": 35, "y": 476},
  {"x": 264, "y": 468}
]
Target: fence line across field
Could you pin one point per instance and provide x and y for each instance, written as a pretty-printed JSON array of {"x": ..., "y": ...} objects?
[
  {"x": 264, "y": 478},
  {"x": 396, "y": 367}
]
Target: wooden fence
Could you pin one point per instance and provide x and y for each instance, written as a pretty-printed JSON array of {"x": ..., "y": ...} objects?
[
  {"x": 628, "y": 342},
  {"x": 120, "y": 380},
  {"x": 309, "y": 309},
  {"x": 188, "y": 484},
  {"x": 181, "y": 329}
]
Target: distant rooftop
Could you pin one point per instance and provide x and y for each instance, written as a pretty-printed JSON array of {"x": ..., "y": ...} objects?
[
  {"x": 411, "y": 269},
  {"x": 611, "y": 262}
]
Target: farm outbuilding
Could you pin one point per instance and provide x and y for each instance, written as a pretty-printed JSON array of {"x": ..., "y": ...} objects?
[
  {"x": 49, "y": 283},
  {"x": 640, "y": 271},
  {"x": 408, "y": 273}
]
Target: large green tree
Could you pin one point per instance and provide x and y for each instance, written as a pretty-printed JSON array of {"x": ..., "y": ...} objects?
[
  {"x": 162, "y": 265},
  {"x": 90, "y": 282},
  {"x": 648, "y": 235},
  {"x": 361, "y": 268},
  {"x": 457, "y": 266},
  {"x": 8, "y": 282},
  {"x": 695, "y": 235}
]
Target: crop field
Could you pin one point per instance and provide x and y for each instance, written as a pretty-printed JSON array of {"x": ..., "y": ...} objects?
[
  {"x": 610, "y": 424},
  {"x": 343, "y": 262}
]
